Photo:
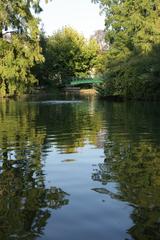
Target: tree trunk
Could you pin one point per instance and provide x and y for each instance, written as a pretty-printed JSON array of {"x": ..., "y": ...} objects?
[{"x": 1, "y": 34}]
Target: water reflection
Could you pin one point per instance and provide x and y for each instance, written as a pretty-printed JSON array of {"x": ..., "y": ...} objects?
[
  {"x": 24, "y": 199},
  {"x": 69, "y": 125},
  {"x": 46, "y": 148},
  {"x": 132, "y": 163}
]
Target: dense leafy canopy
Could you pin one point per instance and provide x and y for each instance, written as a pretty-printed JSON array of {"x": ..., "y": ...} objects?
[
  {"x": 130, "y": 58},
  {"x": 19, "y": 44},
  {"x": 133, "y": 34},
  {"x": 67, "y": 54}
]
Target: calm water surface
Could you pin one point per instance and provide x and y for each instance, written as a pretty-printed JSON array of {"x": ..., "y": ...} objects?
[{"x": 79, "y": 170}]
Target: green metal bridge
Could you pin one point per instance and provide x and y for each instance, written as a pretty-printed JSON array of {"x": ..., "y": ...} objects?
[{"x": 82, "y": 81}]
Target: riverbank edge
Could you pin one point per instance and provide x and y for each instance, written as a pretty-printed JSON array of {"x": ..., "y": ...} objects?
[
  {"x": 94, "y": 92},
  {"x": 125, "y": 99}
]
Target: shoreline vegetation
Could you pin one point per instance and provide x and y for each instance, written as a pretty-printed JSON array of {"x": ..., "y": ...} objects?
[
  {"x": 56, "y": 93},
  {"x": 126, "y": 54}
]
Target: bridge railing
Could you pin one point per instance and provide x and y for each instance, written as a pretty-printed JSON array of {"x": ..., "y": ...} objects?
[{"x": 87, "y": 80}]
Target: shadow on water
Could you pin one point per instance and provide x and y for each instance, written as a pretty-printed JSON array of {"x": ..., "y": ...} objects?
[{"x": 132, "y": 162}]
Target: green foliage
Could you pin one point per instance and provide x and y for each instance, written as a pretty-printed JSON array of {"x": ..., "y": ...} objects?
[
  {"x": 67, "y": 54},
  {"x": 133, "y": 34},
  {"x": 19, "y": 45}
]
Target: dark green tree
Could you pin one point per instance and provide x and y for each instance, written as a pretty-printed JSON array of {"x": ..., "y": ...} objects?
[{"x": 133, "y": 34}]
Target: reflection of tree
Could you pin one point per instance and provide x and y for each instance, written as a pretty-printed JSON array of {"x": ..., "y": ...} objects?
[
  {"x": 24, "y": 199},
  {"x": 71, "y": 124},
  {"x": 133, "y": 162}
]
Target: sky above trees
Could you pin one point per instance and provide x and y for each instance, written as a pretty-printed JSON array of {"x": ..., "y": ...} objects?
[{"x": 82, "y": 15}]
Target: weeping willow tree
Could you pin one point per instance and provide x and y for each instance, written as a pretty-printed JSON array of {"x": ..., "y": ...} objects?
[
  {"x": 19, "y": 45},
  {"x": 133, "y": 57}
]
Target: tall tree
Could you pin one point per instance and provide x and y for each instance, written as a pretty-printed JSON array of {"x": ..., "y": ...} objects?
[
  {"x": 67, "y": 54},
  {"x": 19, "y": 44},
  {"x": 133, "y": 33}
]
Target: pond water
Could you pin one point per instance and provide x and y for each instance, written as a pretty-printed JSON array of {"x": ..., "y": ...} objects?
[{"x": 79, "y": 169}]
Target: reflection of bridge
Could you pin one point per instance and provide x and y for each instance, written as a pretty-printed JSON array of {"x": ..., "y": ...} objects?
[{"x": 83, "y": 81}]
